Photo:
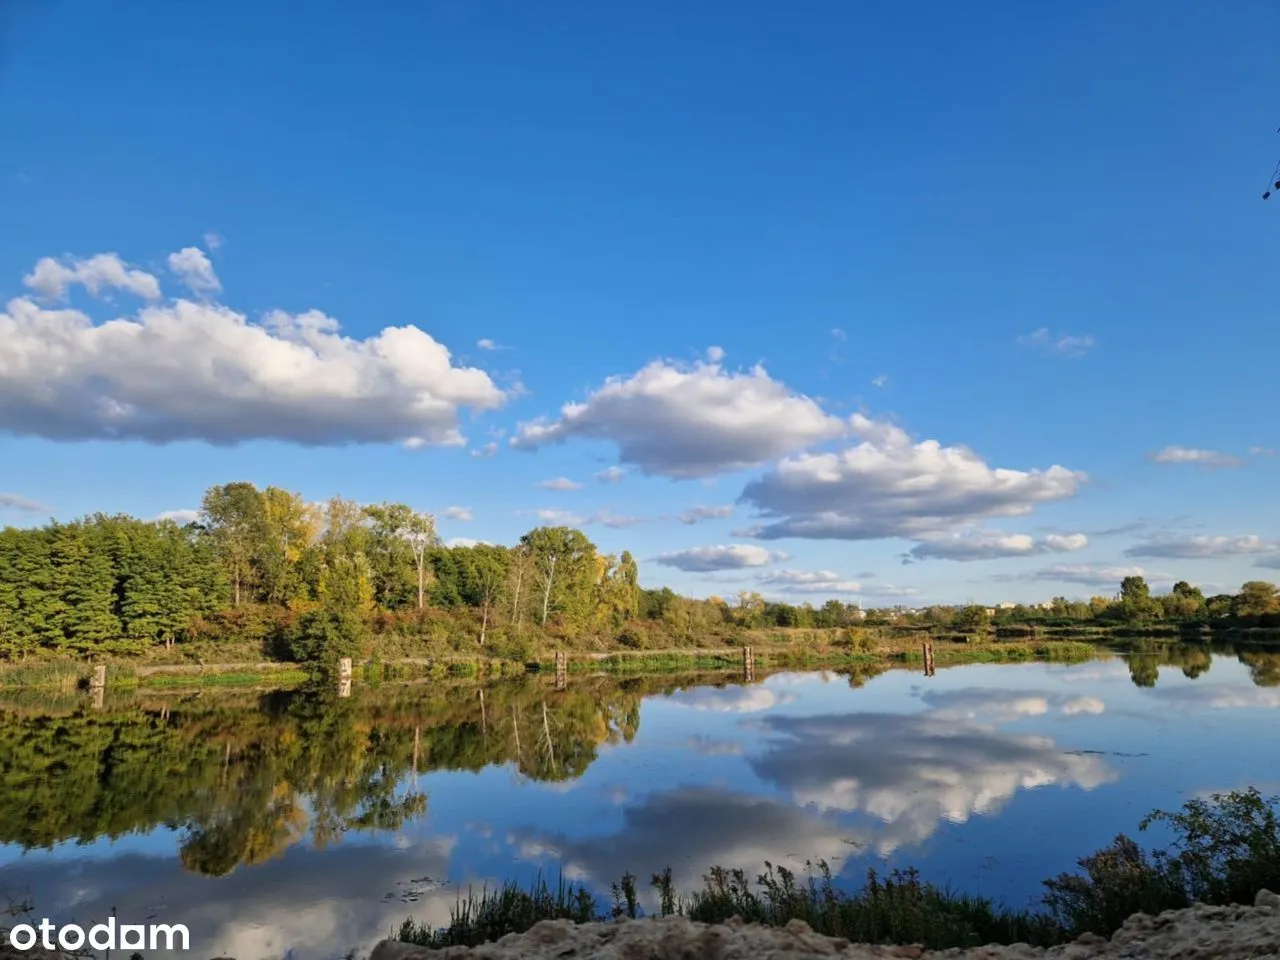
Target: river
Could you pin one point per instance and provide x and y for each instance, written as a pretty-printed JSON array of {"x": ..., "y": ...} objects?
[{"x": 300, "y": 823}]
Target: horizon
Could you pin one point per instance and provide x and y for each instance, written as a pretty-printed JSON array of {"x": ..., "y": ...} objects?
[{"x": 971, "y": 303}]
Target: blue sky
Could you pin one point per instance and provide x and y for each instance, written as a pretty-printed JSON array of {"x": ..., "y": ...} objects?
[{"x": 865, "y": 275}]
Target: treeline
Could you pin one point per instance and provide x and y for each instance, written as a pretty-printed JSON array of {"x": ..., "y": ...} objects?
[
  {"x": 307, "y": 582},
  {"x": 1256, "y": 605},
  {"x": 311, "y": 582}
]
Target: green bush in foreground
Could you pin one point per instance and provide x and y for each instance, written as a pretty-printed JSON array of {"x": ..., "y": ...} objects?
[{"x": 1225, "y": 850}]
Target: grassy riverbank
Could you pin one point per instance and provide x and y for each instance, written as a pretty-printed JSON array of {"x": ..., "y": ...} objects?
[
  {"x": 1225, "y": 849},
  {"x": 775, "y": 650}
]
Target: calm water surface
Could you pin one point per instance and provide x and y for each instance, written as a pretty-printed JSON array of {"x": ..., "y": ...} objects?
[{"x": 302, "y": 823}]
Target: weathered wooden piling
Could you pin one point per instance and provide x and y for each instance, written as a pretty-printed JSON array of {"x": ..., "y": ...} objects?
[
  {"x": 928, "y": 658},
  {"x": 748, "y": 664},
  {"x": 344, "y": 677},
  {"x": 562, "y": 669}
]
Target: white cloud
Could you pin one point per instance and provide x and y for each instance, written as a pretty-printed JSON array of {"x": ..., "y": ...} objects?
[
  {"x": 559, "y": 483},
  {"x": 880, "y": 381},
  {"x": 180, "y": 517},
  {"x": 1002, "y": 706},
  {"x": 486, "y": 344},
  {"x": 465, "y": 542},
  {"x": 887, "y": 590},
  {"x": 731, "y": 699},
  {"x": 1202, "y": 458},
  {"x": 1203, "y": 547},
  {"x": 690, "y": 421},
  {"x": 457, "y": 513},
  {"x": 20, "y": 504},
  {"x": 889, "y": 486},
  {"x": 826, "y": 582},
  {"x": 213, "y": 241},
  {"x": 198, "y": 371},
  {"x": 699, "y": 513},
  {"x": 715, "y": 354},
  {"x": 1064, "y": 344},
  {"x": 611, "y": 474},
  {"x": 838, "y": 334},
  {"x": 614, "y": 521},
  {"x": 982, "y": 545},
  {"x": 910, "y": 773},
  {"x": 488, "y": 450},
  {"x": 1097, "y": 575},
  {"x": 731, "y": 557},
  {"x": 560, "y": 518},
  {"x": 51, "y": 278},
  {"x": 193, "y": 267},
  {"x": 1261, "y": 452}
]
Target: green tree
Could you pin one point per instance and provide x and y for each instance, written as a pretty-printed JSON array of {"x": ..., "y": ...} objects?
[
  {"x": 234, "y": 515},
  {"x": 1184, "y": 602},
  {"x": 1255, "y": 599},
  {"x": 1136, "y": 603}
]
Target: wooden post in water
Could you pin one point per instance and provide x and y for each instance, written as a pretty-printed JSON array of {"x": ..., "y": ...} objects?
[
  {"x": 98, "y": 685},
  {"x": 928, "y": 658},
  {"x": 562, "y": 669},
  {"x": 344, "y": 677},
  {"x": 748, "y": 665}
]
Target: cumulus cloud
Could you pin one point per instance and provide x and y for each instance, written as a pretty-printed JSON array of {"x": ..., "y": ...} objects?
[
  {"x": 986, "y": 546},
  {"x": 201, "y": 371},
  {"x": 909, "y": 773},
  {"x": 52, "y": 278},
  {"x": 1003, "y": 706},
  {"x": 1203, "y": 547},
  {"x": 456, "y": 513},
  {"x": 731, "y": 699},
  {"x": 1192, "y": 455},
  {"x": 465, "y": 542},
  {"x": 691, "y": 827},
  {"x": 611, "y": 474},
  {"x": 213, "y": 241},
  {"x": 731, "y": 557},
  {"x": 488, "y": 450},
  {"x": 689, "y": 422},
  {"x": 560, "y": 483},
  {"x": 810, "y": 581},
  {"x": 562, "y": 518},
  {"x": 193, "y": 267},
  {"x": 1062, "y": 344},
  {"x": 889, "y": 486},
  {"x": 180, "y": 517},
  {"x": 21, "y": 504},
  {"x": 614, "y": 521},
  {"x": 486, "y": 344},
  {"x": 700, "y": 513},
  {"x": 1097, "y": 575}
]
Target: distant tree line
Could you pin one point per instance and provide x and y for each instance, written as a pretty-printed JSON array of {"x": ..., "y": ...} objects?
[
  {"x": 311, "y": 582},
  {"x": 1257, "y": 605}
]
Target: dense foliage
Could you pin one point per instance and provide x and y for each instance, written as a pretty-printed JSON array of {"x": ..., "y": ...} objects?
[{"x": 313, "y": 582}]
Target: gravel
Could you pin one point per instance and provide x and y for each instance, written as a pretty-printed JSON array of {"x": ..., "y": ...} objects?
[{"x": 1199, "y": 933}]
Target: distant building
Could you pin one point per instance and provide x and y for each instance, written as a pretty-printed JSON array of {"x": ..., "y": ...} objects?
[{"x": 1008, "y": 605}]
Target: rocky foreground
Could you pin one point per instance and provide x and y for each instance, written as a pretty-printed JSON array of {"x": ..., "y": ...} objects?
[{"x": 1200, "y": 933}]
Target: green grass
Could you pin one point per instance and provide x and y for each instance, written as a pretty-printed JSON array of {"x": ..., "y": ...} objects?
[
  {"x": 279, "y": 679},
  {"x": 1225, "y": 850}
]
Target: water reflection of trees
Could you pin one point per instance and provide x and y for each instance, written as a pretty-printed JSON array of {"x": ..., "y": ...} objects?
[
  {"x": 1195, "y": 659},
  {"x": 246, "y": 777}
]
